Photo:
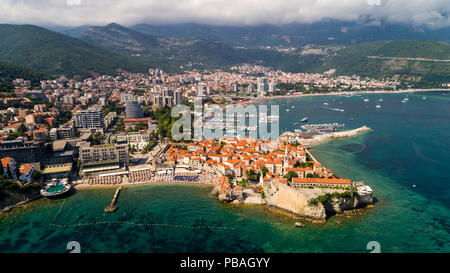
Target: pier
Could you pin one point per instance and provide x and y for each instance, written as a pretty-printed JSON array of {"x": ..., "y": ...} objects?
[{"x": 112, "y": 207}]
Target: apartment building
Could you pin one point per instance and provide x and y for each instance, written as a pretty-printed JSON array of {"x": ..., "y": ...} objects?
[{"x": 100, "y": 158}]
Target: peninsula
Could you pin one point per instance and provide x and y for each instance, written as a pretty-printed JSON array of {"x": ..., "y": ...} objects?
[{"x": 277, "y": 173}]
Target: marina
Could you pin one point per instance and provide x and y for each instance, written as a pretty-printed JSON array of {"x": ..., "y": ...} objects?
[{"x": 319, "y": 127}]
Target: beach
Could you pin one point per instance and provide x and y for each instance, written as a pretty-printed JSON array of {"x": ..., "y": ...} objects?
[{"x": 255, "y": 100}]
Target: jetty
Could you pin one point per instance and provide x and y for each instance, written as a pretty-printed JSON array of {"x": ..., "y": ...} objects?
[{"x": 112, "y": 207}]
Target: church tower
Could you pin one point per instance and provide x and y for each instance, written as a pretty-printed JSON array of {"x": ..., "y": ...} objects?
[{"x": 285, "y": 159}]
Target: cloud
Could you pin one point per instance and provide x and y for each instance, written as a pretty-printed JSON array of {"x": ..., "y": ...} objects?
[{"x": 432, "y": 13}]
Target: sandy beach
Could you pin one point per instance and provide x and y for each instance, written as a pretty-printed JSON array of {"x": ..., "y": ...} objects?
[
  {"x": 343, "y": 93},
  {"x": 90, "y": 186}
]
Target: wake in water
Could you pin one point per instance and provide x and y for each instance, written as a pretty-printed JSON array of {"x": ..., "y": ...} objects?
[{"x": 333, "y": 109}]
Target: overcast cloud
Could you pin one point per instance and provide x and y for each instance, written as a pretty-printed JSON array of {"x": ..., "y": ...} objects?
[{"x": 432, "y": 13}]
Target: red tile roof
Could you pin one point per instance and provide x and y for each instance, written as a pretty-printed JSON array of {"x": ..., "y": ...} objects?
[{"x": 321, "y": 181}]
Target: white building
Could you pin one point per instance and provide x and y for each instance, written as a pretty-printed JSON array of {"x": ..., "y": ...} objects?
[{"x": 136, "y": 140}]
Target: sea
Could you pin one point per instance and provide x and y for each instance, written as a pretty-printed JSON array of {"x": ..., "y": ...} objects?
[{"x": 405, "y": 158}]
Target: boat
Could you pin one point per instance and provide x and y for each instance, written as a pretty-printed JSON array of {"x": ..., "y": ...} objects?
[
  {"x": 287, "y": 110},
  {"x": 378, "y": 106},
  {"x": 424, "y": 98},
  {"x": 56, "y": 188},
  {"x": 326, "y": 103},
  {"x": 298, "y": 224},
  {"x": 305, "y": 119},
  {"x": 366, "y": 100},
  {"x": 293, "y": 106},
  {"x": 380, "y": 100}
]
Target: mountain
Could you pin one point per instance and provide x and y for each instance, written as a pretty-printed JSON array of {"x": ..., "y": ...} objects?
[
  {"x": 163, "y": 52},
  {"x": 75, "y": 32},
  {"x": 9, "y": 72},
  {"x": 210, "y": 50},
  {"x": 178, "y": 47},
  {"x": 53, "y": 53},
  {"x": 427, "y": 60},
  {"x": 297, "y": 35},
  {"x": 121, "y": 39}
]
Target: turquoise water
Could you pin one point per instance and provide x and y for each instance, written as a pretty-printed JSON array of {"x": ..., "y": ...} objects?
[
  {"x": 408, "y": 146},
  {"x": 56, "y": 189}
]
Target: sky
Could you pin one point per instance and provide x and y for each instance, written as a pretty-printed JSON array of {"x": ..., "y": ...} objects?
[{"x": 430, "y": 13}]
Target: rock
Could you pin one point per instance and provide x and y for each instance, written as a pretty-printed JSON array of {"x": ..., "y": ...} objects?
[
  {"x": 215, "y": 191},
  {"x": 237, "y": 196},
  {"x": 317, "y": 212}
]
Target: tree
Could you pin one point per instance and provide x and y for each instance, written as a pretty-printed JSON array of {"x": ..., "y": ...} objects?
[
  {"x": 263, "y": 195},
  {"x": 290, "y": 175},
  {"x": 252, "y": 175},
  {"x": 2, "y": 172},
  {"x": 79, "y": 162},
  {"x": 13, "y": 135},
  {"x": 18, "y": 172},
  {"x": 138, "y": 127},
  {"x": 119, "y": 127},
  {"x": 97, "y": 138},
  {"x": 131, "y": 149},
  {"x": 37, "y": 175},
  {"x": 63, "y": 117},
  {"x": 149, "y": 146},
  {"x": 8, "y": 171},
  {"x": 244, "y": 182},
  {"x": 22, "y": 129},
  {"x": 264, "y": 171}
]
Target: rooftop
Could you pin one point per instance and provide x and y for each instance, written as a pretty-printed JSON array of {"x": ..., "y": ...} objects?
[
  {"x": 67, "y": 167},
  {"x": 321, "y": 181}
]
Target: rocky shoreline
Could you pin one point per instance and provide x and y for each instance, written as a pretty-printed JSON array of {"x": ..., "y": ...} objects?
[
  {"x": 14, "y": 200},
  {"x": 298, "y": 204}
]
